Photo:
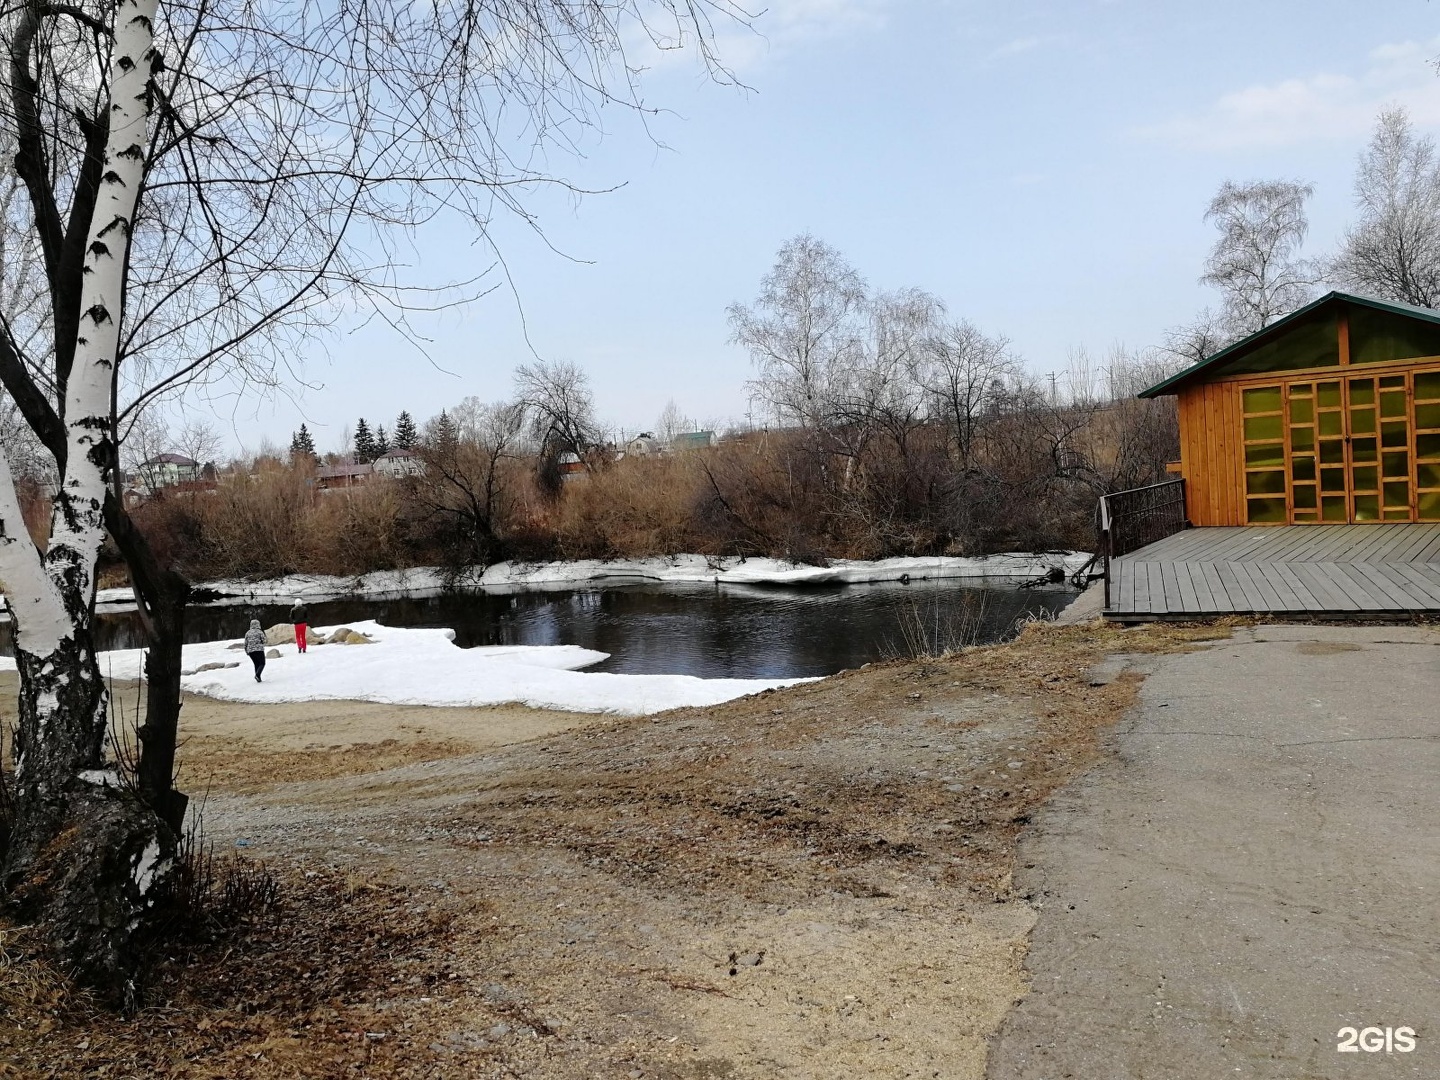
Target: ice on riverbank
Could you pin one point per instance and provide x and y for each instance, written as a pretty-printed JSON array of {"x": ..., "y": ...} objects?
[
  {"x": 425, "y": 667},
  {"x": 673, "y": 570}
]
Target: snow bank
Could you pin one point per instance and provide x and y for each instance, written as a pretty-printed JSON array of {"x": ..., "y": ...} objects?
[
  {"x": 674, "y": 569},
  {"x": 425, "y": 667}
]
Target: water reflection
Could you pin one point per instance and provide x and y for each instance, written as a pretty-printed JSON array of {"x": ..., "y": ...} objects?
[{"x": 727, "y": 631}]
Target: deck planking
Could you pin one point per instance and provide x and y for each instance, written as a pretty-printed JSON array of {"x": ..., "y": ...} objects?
[{"x": 1371, "y": 569}]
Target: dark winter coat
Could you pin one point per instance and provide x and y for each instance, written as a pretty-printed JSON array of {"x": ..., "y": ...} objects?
[
  {"x": 297, "y": 613},
  {"x": 255, "y": 638}
]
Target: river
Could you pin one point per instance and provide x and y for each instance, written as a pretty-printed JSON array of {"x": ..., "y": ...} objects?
[{"x": 729, "y": 631}]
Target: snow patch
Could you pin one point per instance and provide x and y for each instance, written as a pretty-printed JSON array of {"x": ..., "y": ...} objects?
[
  {"x": 146, "y": 866},
  {"x": 617, "y": 573},
  {"x": 100, "y": 777},
  {"x": 425, "y": 667}
]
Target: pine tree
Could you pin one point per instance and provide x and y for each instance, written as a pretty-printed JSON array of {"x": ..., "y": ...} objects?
[
  {"x": 447, "y": 434},
  {"x": 382, "y": 441},
  {"x": 405, "y": 436},
  {"x": 364, "y": 442},
  {"x": 301, "y": 444}
]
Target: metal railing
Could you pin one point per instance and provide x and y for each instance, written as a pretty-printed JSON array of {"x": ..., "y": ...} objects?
[{"x": 1127, "y": 520}]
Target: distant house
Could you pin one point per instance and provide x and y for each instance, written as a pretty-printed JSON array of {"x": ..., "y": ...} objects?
[
  {"x": 331, "y": 477},
  {"x": 167, "y": 470},
  {"x": 571, "y": 466},
  {"x": 692, "y": 440},
  {"x": 643, "y": 445},
  {"x": 399, "y": 463}
]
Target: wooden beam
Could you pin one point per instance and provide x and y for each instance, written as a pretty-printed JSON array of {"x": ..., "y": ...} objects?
[{"x": 1342, "y": 322}]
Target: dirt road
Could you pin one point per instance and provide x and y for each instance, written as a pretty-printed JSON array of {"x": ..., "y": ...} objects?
[{"x": 1256, "y": 869}]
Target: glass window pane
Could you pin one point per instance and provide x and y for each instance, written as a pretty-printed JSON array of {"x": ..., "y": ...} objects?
[
  {"x": 1328, "y": 394},
  {"x": 1362, "y": 391},
  {"x": 1302, "y": 410},
  {"x": 1390, "y": 382},
  {"x": 1270, "y": 482},
  {"x": 1427, "y": 446},
  {"x": 1396, "y": 515},
  {"x": 1394, "y": 433},
  {"x": 1302, "y": 468},
  {"x": 1302, "y": 438},
  {"x": 1427, "y": 476},
  {"x": 1332, "y": 451},
  {"x": 1367, "y": 507},
  {"x": 1392, "y": 404},
  {"x": 1427, "y": 386},
  {"x": 1333, "y": 509},
  {"x": 1427, "y": 415},
  {"x": 1362, "y": 421},
  {"x": 1265, "y": 454},
  {"x": 1428, "y": 503},
  {"x": 1301, "y": 390},
  {"x": 1365, "y": 478},
  {"x": 1396, "y": 464},
  {"x": 1397, "y": 494},
  {"x": 1330, "y": 423},
  {"x": 1265, "y": 511},
  {"x": 1303, "y": 516},
  {"x": 1264, "y": 427},
  {"x": 1304, "y": 497},
  {"x": 1261, "y": 399},
  {"x": 1332, "y": 479},
  {"x": 1362, "y": 450}
]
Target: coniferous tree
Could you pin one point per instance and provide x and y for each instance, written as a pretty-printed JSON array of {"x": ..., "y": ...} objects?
[
  {"x": 364, "y": 442},
  {"x": 405, "y": 435},
  {"x": 446, "y": 433},
  {"x": 301, "y": 444},
  {"x": 382, "y": 441}
]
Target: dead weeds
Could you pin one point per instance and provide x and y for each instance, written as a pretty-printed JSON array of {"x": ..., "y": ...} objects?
[{"x": 905, "y": 775}]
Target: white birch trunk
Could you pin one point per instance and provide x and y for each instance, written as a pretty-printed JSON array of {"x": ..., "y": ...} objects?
[{"x": 92, "y": 886}]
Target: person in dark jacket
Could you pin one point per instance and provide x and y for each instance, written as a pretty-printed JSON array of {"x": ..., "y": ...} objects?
[
  {"x": 255, "y": 647},
  {"x": 297, "y": 616}
]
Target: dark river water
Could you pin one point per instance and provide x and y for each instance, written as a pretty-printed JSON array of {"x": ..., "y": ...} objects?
[{"x": 728, "y": 631}]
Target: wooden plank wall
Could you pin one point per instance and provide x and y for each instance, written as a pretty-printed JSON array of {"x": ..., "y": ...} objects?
[{"x": 1211, "y": 454}]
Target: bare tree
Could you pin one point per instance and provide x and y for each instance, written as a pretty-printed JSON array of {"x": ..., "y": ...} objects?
[
  {"x": 803, "y": 332},
  {"x": 672, "y": 422},
  {"x": 466, "y": 483},
  {"x": 960, "y": 371},
  {"x": 1393, "y": 251},
  {"x": 1200, "y": 340},
  {"x": 207, "y": 183},
  {"x": 1256, "y": 262},
  {"x": 555, "y": 398}
]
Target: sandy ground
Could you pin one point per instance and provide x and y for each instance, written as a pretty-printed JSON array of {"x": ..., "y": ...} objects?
[
  {"x": 814, "y": 882},
  {"x": 230, "y": 746}
]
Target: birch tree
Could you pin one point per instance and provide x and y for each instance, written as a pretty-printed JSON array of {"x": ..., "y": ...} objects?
[
  {"x": 1256, "y": 261},
  {"x": 1393, "y": 251},
  {"x": 208, "y": 183}
]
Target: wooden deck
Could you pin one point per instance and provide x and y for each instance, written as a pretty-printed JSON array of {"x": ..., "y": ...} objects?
[{"x": 1299, "y": 570}]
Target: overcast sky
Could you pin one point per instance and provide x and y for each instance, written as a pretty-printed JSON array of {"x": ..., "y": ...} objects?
[{"x": 1042, "y": 167}]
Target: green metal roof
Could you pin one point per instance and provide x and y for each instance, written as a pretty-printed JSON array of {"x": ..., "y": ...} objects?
[{"x": 1279, "y": 328}]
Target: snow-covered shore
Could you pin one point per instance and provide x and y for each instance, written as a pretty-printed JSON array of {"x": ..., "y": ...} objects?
[
  {"x": 675, "y": 569},
  {"x": 425, "y": 667}
]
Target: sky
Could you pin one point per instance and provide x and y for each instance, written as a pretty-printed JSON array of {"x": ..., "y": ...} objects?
[{"x": 1041, "y": 167}]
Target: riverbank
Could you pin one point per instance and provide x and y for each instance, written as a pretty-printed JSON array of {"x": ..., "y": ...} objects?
[
  {"x": 612, "y": 573},
  {"x": 817, "y": 881}
]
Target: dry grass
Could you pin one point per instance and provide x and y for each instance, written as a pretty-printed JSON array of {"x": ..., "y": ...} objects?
[{"x": 901, "y": 780}]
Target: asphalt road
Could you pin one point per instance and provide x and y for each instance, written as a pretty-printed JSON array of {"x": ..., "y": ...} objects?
[{"x": 1256, "y": 869}]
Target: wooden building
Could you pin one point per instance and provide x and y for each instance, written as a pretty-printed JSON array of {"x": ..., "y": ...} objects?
[{"x": 1328, "y": 416}]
